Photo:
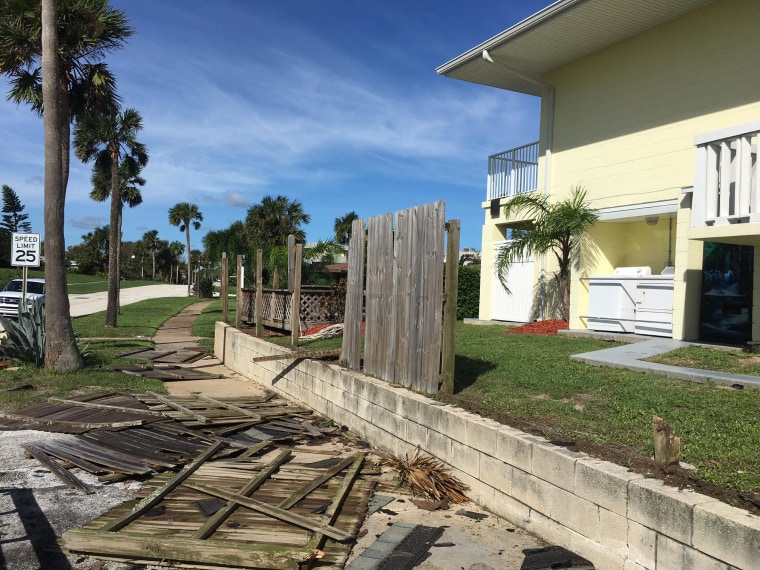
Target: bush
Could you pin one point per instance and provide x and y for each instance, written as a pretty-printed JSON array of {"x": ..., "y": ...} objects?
[
  {"x": 468, "y": 292},
  {"x": 205, "y": 287},
  {"x": 25, "y": 337}
]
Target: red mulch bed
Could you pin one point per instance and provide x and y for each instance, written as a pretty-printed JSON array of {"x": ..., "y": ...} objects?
[{"x": 546, "y": 328}]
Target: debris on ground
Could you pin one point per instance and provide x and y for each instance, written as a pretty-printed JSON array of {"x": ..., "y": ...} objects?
[{"x": 427, "y": 476}]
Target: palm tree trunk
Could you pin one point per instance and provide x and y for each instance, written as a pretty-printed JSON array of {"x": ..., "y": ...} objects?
[
  {"x": 61, "y": 351},
  {"x": 187, "y": 236},
  {"x": 113, "y": 245}
]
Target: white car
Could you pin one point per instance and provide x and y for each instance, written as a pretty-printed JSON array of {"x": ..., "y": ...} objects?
[{"x": 11, "y": 295}]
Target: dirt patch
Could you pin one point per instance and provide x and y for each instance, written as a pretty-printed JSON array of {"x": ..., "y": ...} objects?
[{"x": 615, "y": 453}]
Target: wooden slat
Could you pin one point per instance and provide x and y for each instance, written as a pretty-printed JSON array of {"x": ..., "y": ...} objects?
[
  {"x": 397, "y": 369},
  {"x": 154, "y": 548},
  {"x": 298, "y": 355},
  {"x": 316, "y": 482},
  {"x": 223, "y": 514},
  {"x": 228, "y": 406},
  {"x": 429, "y": 320},
  {"x": 64, "y": 475},
  {"x": 317, "y": 541},
  {"x": 94, "y": 405},
  {"x": 379, "y": 301},
  {"x": 155, "y": 497},
  {"x": 180, "y": 408},
  {"x": 275, "y": 512},
  {"x": 352, "y": 321},
  {"x": 65, "y": 423},
  {"x": 93, "y": 458}
]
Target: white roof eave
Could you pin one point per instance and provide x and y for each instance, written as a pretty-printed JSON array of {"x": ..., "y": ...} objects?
[{"x": 561, "y": 33}]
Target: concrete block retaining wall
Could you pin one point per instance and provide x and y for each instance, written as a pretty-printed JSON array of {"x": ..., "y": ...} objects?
[{"x": 612, "y": 517}]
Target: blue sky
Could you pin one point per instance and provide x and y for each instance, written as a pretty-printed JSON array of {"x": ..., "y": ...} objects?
[{"x": 334, "y": 103}]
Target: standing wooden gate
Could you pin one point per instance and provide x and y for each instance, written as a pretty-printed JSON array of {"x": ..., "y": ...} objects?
[{"x": 404, "y": 294}]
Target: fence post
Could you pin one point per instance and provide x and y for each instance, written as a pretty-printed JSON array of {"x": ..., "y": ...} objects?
[
  {"x": 295, "y": 299},
  {"x": 259, "y": 293},
  {"x": 224, "y": 293},
  {"x": 291, "y": 262},
  {"x": 239, "y": 292},
  {"x": 450, "y": 308}
]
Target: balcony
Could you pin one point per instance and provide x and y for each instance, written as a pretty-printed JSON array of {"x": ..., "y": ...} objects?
[
  {"x": 513, "y": 171},
  {"x": 727, "y": 181}
]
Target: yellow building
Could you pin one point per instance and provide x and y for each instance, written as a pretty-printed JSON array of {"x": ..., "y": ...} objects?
[{"x": 654, "y": 108}]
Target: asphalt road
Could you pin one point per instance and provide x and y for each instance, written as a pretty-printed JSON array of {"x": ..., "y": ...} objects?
[{"x": 88, "y": 303}]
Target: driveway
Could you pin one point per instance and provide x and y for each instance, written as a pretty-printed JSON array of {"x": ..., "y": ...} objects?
[{"x": 88, "y": 303}]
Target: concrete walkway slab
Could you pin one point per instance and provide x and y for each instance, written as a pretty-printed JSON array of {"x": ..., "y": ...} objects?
[{"x": 630, "y": 356}]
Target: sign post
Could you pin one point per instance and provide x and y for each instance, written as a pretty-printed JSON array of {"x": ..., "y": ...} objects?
[{"x": 25, "y": 253}]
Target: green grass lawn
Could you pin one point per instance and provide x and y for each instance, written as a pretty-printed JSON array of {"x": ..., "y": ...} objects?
[
  {"x": 705, "y": 358},
  {"x": 532, "y": 378},
  {"x": 138, "y": 319}
]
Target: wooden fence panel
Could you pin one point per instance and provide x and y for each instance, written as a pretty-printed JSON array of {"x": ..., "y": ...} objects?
[
  {"x": 377, "y": 340},
  {"x": 352, "y": 321}
]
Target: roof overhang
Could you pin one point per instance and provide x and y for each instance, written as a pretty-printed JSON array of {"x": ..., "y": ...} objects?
[{"x": 561, "y": 33}]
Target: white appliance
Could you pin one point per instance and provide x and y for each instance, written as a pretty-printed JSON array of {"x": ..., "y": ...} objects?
[
  {"x": 654, "y": 306},
  {"x": 612, "y": 299},
  {"x": 632, "y": 300}
]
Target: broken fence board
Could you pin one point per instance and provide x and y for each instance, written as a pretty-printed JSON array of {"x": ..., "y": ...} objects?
[
  {"x": 223, "y": 514},
  {"x": 64, "y": 475},
  {"x": 275, "y": 512},
  {"x": 217, "y": 552},
  {"x": 180, "y": 408},
  {"x": 298, "y": 355},
  {"x": 227, "y": 405},
  {"x": 96, "y": 406},
  {"x": 155, "y": 497}
]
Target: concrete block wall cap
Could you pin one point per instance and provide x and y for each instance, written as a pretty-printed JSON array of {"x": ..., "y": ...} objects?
[
  {"x": 664, "y": 509},
  {"x": 688, "y": 496}
]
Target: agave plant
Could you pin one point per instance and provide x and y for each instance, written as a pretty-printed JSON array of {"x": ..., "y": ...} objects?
[{"x": 25, "y": 338}]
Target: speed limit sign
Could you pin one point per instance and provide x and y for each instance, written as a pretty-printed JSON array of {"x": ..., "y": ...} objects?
[{"x": 25, "y": 250}]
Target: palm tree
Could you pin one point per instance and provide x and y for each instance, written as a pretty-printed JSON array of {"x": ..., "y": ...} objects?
[
  {"x": 111, "y": 141},
  {"x": 270, "y": 222},
  {"x": 560, "y": 228},
  {"x": 182, "y": 215},
  {"x": 342, "y": 227},
  {"x": 231, "y": 240},
  {"x": 50, "y": 51},
  {"x": 151, "y": 243}
]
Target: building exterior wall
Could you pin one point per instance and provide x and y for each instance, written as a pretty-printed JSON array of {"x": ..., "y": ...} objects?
[{"x": 625, "y": 119}]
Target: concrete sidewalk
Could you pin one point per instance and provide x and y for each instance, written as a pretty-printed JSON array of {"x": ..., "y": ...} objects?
[
  {"x": 88, "y": 303},
  {"x": 630, "y": 356}
]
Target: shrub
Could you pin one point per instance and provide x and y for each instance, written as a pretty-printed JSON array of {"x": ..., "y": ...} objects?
[
  {"x": 468, "y": 292},
  {"x": 205, "y": 287},
  {"x": 25, "y": 337}
]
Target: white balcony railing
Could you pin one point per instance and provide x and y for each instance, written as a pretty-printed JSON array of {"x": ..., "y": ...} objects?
[
  {"x": 727, "y": 181},
  {"x": 513, "y": 171}
]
